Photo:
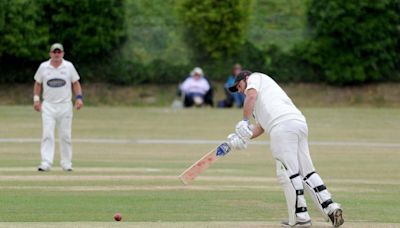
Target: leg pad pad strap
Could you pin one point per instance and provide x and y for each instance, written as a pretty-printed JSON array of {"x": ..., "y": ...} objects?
[
  {"x": 301, "y": 209},
  {"x": 320, "y": 188}
]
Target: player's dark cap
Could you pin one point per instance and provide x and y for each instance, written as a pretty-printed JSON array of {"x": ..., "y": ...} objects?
[{"x": 241, "y": 76}]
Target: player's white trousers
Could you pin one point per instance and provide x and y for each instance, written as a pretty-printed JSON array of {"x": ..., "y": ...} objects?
[
  {"x": 289, "y": 144},
  {"x": 60, "y": 116},
  {"x": 295, "y": 170}
]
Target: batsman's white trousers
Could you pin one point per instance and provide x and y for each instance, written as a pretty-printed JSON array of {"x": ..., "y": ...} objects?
[
  {"x": 289, "y": 146},
  {"x": 59, "y": 115}
]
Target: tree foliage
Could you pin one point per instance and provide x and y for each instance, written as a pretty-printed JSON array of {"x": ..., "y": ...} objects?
[
  {"x": 348, "y": 42},
  {"x": 215, "y": 29},
  {"x": 354, "y": 41},
  {"x": 87, "y": 28},
  {"x": 21, "y": 30},
  {"x": 90, "y": 31}
]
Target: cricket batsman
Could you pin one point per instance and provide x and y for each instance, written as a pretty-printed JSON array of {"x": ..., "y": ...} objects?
[
  {"x": 275, "y": 113},
  {"x": 56, "y": 77}
]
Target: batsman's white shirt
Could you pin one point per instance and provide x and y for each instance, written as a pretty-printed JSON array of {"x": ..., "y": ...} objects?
[
  {"x": 57, "y": 81},
  {"x": 273, "y": 106}
]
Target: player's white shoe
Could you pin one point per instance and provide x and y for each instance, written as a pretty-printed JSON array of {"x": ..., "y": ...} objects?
[
  {"x": 337, "y": 217},
  {"x": 67, "y": 169},
  {"x": 43, "y": 168},
  {"x": 305, "y": 224}
]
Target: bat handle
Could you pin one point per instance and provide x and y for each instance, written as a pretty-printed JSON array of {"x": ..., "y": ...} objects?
[{"x": 223, "y": 149}]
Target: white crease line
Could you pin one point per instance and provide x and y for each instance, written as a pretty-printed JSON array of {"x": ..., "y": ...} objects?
[
  {"x": 218, "y": 187},
  {"x": 178, "y": 141},
  {"x": 199, "y": 142},
  {"x": 239, "y": 179}
]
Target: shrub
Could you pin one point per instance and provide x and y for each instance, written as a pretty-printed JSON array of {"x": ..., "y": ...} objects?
[
  {"x": 354, "y": 41},
  {"x": 215, "y": 29},
  {"x": 22, "y": 32},
  {"x": 88, "y": 29}
]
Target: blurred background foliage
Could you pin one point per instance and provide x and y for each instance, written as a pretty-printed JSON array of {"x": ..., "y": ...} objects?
[
  {"x": 159, "y": 41},
  {"x": 354, "y": 41}
]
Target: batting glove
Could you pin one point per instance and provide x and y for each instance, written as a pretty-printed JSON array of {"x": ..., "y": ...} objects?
[
  {"x": 236, "y": 142},
  {"x": 244, "y": 129}
]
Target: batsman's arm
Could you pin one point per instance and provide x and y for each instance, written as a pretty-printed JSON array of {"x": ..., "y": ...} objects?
[
  {"x": 78, "y": 93},
  {"x": 249, "y": 103},
  {"x": 37, "y": 91},
  {"x": 257, "y": 131}
]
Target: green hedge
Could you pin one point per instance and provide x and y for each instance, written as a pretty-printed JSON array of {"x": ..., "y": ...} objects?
[
  {"x": 90, "y": 31},
  {"x": 22, "y": 31},
  {"x": 353, "y": 41},
  {"x": 215, "y": 30},
  {"x": 347, "y": 42}
]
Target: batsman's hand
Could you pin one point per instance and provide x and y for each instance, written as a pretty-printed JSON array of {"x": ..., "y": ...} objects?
[
  {"x": 37, "y": 106},
  {"x": 244, "y": 129},
  {"x": 78, "y": 104},
  {"x": 236, "y": 142}
]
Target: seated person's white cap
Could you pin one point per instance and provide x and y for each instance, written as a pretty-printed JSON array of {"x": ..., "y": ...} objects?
[{"x": 197, "y": 70}]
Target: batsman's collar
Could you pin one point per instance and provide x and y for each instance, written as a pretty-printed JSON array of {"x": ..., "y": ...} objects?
[{"x": 241, "y": 76}]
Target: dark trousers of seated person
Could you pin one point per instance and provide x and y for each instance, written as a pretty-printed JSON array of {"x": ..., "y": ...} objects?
[{"x": 189, "y": 99}]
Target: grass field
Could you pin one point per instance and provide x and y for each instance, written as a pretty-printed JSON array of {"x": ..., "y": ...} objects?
[{"x": 127, "y": 160}]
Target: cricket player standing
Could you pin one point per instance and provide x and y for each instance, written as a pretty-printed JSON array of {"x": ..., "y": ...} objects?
[
  {"x": 56, "y": 76},
  {"x": 275, "y": 113}
]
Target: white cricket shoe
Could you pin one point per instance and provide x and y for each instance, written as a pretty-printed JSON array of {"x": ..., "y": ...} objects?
[
  {"x": 305, "y": 224},
  {"x": 67, "y": 169},
  {"x": 43, "y": 168}
]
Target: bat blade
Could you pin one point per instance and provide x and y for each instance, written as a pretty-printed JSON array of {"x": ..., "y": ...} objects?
[{"x": 203, "y": 163}]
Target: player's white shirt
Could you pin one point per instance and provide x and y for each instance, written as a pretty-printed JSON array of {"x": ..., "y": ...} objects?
[
  {"x": 191, "y": 85},
  {"x": 273, "y": 105},
  {"x": 57, "y": 81}
]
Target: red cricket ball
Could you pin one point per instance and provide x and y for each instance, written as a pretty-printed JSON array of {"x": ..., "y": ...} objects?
[{"x": 117, "y": 217}]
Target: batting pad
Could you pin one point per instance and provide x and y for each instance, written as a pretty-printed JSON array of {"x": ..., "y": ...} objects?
[
  {"x": 319, "y": 194},
  {"x": 294, "y": 194}
]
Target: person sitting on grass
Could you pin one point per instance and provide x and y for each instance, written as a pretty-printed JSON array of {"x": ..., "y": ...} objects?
[
  {"x": 232, "y": 99},
  {"x": 196, "y": 89}
]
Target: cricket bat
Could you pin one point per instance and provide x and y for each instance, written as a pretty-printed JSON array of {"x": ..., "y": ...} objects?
[{"x": 203, "y": 163}]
